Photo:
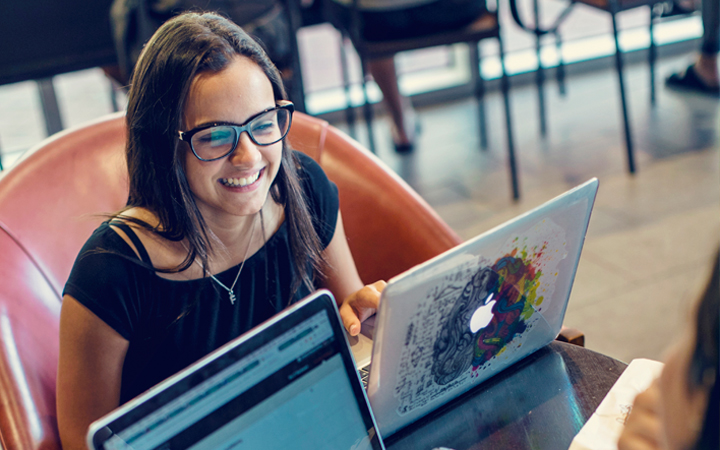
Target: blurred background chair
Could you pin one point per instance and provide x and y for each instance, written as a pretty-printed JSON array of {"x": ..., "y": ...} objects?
[
  {"x": 484, "y": 27},
  {"x": 613, "y": 7}
]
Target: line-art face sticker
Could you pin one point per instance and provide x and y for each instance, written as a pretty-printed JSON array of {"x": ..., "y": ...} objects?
[
  {"x": 454, "y": 347},
  {"x": 480, "y": 313}
]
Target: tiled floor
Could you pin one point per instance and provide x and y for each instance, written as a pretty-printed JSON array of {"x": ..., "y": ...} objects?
[{"x": 651, "y": 236}]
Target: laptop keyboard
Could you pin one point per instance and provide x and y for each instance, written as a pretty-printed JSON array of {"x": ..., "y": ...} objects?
[{"x": 364, "y": 375}]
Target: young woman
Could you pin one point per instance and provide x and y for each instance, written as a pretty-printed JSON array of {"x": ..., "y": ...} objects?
[
  {"x": 224, "y": 225},
  {"x": 681, "y": 410},
  {"x": 387, "y": 20}
]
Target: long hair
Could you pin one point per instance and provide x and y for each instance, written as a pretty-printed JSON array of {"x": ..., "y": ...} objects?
[
  {"x": 182, "y": 48},
  {"x": 705, "y": 361}
]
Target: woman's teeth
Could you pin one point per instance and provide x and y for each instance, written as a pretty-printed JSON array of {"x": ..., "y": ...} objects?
[{"x": 240, "y": 182}]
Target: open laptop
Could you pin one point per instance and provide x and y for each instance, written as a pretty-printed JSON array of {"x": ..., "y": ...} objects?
[
  {"x": 456, "y": 320},
  {"x": 289, "y": 383}
]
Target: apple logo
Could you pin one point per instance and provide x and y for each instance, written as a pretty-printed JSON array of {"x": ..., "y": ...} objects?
[{"x": 483, "y": 315}]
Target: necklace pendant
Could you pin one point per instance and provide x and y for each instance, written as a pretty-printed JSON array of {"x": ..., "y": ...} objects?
[{"x": 232, "y": 297}]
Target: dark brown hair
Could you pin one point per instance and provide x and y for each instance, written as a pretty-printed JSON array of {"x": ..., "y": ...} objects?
[
  {"x": 705, "y": 361},
  {"x": 182, "y": 48}
]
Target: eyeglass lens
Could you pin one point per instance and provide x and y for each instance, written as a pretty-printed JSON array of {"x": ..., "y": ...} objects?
[{"x": 220, "y": 140}]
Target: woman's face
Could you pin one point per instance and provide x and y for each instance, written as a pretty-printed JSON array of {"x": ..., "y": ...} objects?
[
  {"x": 682, "y": 409},
  {"x": 238, "y": 184}
]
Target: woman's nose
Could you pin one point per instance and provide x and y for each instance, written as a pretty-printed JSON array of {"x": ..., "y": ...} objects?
[{"x": 246, "y": 153}]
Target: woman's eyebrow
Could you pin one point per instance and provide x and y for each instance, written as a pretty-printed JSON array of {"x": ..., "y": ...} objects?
[
  {"x": 214, "y": 122},
  {"x": 225, "y": 122}
]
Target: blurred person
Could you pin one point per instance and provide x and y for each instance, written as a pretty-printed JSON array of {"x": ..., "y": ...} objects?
[
  {"x": 702, "y": 76},
  {"x": 681, "y": 409},
  {"x": 384, "y": 20},
  {"x": 135, "y": 21}
]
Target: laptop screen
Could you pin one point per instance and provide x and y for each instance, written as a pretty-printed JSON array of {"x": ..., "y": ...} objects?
[{"x": 293, "y": 390}]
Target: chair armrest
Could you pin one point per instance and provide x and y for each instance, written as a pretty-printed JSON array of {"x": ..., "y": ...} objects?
[{"x": 29, "y": 342}]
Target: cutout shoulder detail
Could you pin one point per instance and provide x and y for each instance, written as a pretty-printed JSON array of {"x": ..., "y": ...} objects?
[{"x": 135, "y": 242}]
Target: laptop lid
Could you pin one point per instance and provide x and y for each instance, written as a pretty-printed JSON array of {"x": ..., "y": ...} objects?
[
  {"x": 454, "y": 321},
  {"x": 289, "y": 383}
]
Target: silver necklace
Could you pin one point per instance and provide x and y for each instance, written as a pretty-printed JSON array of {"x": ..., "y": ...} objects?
[{"x": 231, "y": 289}]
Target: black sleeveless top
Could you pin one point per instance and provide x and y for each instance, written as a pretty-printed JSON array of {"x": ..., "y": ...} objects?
[{"x": 171, "y": 324}]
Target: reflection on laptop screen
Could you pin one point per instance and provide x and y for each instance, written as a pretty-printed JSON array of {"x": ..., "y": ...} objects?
[{"x": 292, "y": 392}]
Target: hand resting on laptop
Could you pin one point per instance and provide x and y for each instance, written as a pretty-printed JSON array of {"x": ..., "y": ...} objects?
[{"x": 361, "y": 305}]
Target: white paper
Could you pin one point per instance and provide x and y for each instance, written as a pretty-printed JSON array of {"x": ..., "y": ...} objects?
[{"x": 602, "y": 430}]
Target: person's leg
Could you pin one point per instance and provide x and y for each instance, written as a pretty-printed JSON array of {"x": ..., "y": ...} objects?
[
  {"x": 707, "y": 64},
  {"x": 702, "y": 75},
  {"x": 401, "y": 112}
]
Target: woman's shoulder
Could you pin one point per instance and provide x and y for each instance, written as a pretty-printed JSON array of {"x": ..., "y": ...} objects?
[
  {"x": 105, "y": 239},
  {"x": 106, "y": 278},
  {"x": 138, "y": 228},
  {"x": 313, "y": 178},
  {"x": 307, "y": 165}
]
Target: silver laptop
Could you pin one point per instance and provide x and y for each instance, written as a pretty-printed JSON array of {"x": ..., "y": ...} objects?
[
  {"x": 456, "y": 320},
  {"x": 290, "y": 383}
]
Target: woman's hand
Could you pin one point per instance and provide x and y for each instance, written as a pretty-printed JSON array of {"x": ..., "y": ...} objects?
[
  {"x": 643, "y": 428},
  {"x": 360, "y": 305}
]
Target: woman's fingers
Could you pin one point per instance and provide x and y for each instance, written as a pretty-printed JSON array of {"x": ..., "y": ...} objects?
[{"x": 361, "y": 305}]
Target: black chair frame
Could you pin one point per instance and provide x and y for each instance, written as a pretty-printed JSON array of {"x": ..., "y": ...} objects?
[{"x": 613, "y": 7}]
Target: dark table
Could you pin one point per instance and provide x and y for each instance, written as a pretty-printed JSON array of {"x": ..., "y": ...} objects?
[{"x": 538, "y": 403}]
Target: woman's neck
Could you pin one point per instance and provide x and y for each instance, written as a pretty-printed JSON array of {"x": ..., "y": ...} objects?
[
  {"x": 235, "y": 236},
  {"x": 231, "y": 232}
]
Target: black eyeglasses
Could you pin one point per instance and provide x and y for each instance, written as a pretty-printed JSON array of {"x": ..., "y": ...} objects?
[{"x": 217, "y": 140}]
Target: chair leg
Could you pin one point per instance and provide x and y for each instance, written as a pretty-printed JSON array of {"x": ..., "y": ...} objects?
[
  {"x": 113, "y": 96},
  {"x": 297, "y": 89},
  {"x": 539, "y": 73},
  {"x": 349, "y": 110},
  {"x": 51, "y": 110},
  {"x": 623, "y": 99},
  {"x": 505, "y": 85},
  {"x": 560, "y": 74},
  {"x": 367, "y": 107},
  {"x": 479, "y": 91},
  {"x": 652, "y": 55}
]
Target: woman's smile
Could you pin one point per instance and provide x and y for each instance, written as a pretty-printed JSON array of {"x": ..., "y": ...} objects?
[{"x": 242, "y": 183}]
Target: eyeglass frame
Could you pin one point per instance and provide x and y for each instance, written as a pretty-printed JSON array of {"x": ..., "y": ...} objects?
[{"x": 186, "y": 136}]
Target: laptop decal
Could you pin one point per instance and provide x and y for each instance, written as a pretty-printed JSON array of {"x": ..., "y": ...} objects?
[{"x": 483, "y": 312}]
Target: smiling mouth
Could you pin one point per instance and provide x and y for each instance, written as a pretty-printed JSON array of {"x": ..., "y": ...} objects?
[{"x": 241, "y": 182}]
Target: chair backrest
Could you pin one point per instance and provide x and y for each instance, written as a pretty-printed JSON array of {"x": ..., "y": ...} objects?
[
  {"x": 390, "y": 228},
  {"x": 51, "y": 200}
]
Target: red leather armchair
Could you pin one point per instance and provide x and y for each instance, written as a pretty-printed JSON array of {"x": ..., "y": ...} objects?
[
  {"x": 49, "y": 205},
  {"x": 44, "y": 205}
]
